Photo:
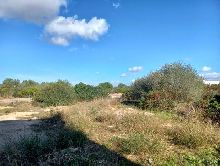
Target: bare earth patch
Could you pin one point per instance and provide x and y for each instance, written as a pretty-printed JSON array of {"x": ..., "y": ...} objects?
[
  {"x": 14, "y": 100},
  {"x": 16, "y": 124}
]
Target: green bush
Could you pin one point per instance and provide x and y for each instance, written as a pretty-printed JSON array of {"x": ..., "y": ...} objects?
[
  {"x": 207, "y": 157},
  {"x": 54, "y": 94},
  {"x": 210, "y": 102},
  {"x": 172, "y": 84},
  {"x": 213, "y": 110}
]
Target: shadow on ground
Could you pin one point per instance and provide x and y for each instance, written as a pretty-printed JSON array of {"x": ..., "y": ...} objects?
[
  {"x": 12, "y": 130},
  {"x": 59, "y": 146}
]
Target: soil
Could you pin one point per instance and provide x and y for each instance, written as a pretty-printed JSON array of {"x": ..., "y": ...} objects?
[{"x": 16, "y": 124}]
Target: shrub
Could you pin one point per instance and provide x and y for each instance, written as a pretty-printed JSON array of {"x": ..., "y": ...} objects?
[
  {"x": 54, "y": 94},
  {"x": 213, "y": 110},
  {"x": 172, "y": 84},
  {"x": 210, "y": 102},
  {"x": 207, "y": 157}
]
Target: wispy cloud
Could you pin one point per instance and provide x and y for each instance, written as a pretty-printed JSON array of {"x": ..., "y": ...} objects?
[
  {"x": 210, "y": 75},
  {"x": 215, "y": 76},
  {"x": 124, "y": 75},
  {"x": 135, "y": 69},
  {"x": 116, "y": 5},
  {"x": 206, "y": 68}
]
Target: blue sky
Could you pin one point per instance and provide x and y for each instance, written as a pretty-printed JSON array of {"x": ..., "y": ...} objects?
[{"x": 107, "y": 40}]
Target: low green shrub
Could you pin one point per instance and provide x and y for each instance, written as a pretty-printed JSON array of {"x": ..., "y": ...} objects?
[
  {"x": 206, "y": 157},
  {"x": 210, "y": 103},
  {"x": 213, "y": 110}
]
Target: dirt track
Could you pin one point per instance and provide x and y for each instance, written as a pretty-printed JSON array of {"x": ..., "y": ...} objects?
[
  {"x": 15, "y": 124},
  {"x": 14, "y": 100}
]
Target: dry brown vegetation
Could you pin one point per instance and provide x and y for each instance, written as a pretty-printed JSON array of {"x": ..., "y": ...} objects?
[
  {"x": 145, "y": 137},
  {"x": 105, "y": 132}
]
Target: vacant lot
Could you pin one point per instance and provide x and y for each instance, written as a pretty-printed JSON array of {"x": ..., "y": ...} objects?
[{"x": 105, "y": 132}]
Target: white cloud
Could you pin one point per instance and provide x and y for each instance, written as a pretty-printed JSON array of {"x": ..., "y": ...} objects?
[
  {"x": 37, "y": 11},
  {"x": 61, "y": 30},
  {"x": 135, "y": 69},
  {"x": 124, "y": 75},
  {"x": 214, "y": 76},
  {"x": 211, "y": 82},
  {"x": 206, "y": 68},
  {"x": 116, "y": 5}
]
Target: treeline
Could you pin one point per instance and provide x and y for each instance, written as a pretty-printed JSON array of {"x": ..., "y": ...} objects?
[
  {"x": 57, "y": 93},
  {"x": 174, "y": 87}
]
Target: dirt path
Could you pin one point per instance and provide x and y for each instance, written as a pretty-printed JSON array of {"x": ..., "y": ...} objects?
[
  {"x": 16, "y": 124},
  {"x": 14, "y": 100}
]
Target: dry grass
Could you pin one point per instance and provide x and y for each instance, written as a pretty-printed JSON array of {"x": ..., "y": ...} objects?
[
  {"x": 146, "y": 138},
  {"x": 143, "y": 137}
]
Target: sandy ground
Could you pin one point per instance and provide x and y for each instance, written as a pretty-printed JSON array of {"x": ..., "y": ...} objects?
[
  {"x": 16, "y": 124},
  {"x": 14, "y": 100}
]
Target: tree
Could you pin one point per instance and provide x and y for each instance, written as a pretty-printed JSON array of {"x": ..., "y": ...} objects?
[
  {"x": 103, "y": 89},
  {"x": 172, "y": 84},
  {"x": 121, "y": 88},
  {"x": 85, "y": 92},
  {"x": 27, "y": 88},
  {"x": 54, "y": 94},
  {"x": 9, "y": 87}
]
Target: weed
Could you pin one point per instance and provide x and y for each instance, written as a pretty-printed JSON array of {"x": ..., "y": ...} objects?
[{"x": 136, "y": 144}]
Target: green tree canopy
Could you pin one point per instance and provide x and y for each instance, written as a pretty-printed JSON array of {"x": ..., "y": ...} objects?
[
  {"x": 56, "y": 93},
  {"x": 174, "y": 82}
]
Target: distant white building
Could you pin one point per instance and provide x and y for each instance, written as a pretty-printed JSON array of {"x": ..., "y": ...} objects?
[{"x": 211, "y": 82}]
